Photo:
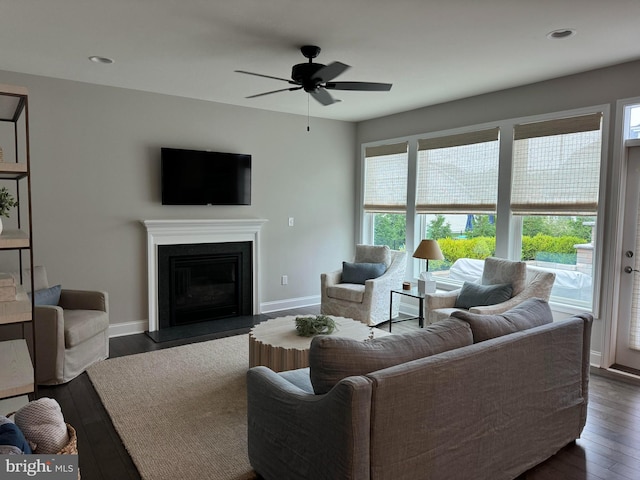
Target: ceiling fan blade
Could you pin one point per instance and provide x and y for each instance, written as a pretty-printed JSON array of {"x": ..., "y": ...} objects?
[
  {"x": 267, "y": 76},
  {"x": 275, "y": 91},
  {"x": 362, "y": 86},
  {"x": 322, "y": 96},
  {"x": 330, "y": 71}
]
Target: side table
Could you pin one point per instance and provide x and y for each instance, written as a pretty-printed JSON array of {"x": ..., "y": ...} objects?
[{"x": 414, "y": 293}]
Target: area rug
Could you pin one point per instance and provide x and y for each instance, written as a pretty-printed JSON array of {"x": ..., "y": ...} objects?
[{"x": 181, "y": 412}]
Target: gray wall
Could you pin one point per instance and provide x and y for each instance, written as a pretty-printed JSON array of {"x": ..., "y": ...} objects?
[
  {"x": 95, "y": 154},
  {"x": 603, "y": 86}
]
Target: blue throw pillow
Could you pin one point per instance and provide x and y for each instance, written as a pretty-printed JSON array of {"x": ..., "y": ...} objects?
[
  {"x": 475, "y": 295},
  {"x": 48, "y": 296},
  {"x": 361, "y": 272},
  {"x": 10, "y": 434}
]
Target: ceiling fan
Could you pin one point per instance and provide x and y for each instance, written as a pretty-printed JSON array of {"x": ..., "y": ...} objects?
[{"x": 315, "y": 79}]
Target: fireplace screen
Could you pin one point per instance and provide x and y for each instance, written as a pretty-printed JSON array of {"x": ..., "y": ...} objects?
[{"x": 203, "y": 282}]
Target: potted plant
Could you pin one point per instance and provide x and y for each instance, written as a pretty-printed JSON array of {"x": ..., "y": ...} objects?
[{"x": 6, "y": 202}]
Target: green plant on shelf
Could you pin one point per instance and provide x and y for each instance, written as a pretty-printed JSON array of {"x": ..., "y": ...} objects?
[{"x": 6, "y": 202}]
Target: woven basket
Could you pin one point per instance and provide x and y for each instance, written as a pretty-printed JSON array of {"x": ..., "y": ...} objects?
[{"x": 71, "y": 448}]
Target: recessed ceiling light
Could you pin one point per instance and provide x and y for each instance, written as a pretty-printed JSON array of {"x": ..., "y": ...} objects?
[
  {"x": 561, "y": 33},
  {"x": 97, "y": 59}
]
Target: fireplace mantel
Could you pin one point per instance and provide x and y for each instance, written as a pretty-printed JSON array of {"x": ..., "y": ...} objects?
[{"x": 175, "y": 232}]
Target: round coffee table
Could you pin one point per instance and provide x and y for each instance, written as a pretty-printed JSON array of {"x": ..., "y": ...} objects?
[{"x": 277, "y": 345}]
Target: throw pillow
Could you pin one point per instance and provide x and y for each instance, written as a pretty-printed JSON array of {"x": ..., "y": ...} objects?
[
  {"x": 475, "y": 295},
  {"x": 361, "y": 272},
  {"x": 332, "y": 358},
  {"x": 11, "y": 435},
  {"x": 43, "y": 424},
  {"x": 48, "y": 296},
  {"x": 530, "y": 313}
]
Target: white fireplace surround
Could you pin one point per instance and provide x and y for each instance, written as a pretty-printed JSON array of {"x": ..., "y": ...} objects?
[{"x": 177, "y": 232}]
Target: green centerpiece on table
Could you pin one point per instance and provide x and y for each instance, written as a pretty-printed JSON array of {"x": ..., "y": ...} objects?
[{"x": 319, "y": 324}]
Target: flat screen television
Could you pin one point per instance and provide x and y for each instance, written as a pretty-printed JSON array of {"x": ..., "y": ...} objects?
[{"x": 195, "y": 177}]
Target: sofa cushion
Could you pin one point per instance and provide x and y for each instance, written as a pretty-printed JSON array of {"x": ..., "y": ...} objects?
[
  {"x": 530, "y": 313},
  {"x": 81, "y": 325},
  {"x": 361, "y": 272},
  {"x": 373, "y": 254},
  {"x": 332, "y": 358},
  {"x": 351, "y": 292},
  {"x": 475, "y": 295}
]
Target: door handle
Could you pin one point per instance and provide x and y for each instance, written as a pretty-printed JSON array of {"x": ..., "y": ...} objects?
[{"x": 628, "y": 269}]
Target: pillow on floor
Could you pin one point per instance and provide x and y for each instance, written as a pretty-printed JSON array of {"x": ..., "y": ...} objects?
[
  {"x": 332, "y": 358},
  {"x": 476, "y": 295},
  {"x": 530, "y": 313}
]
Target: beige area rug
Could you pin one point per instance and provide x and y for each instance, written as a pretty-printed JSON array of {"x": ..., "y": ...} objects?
[{"x": 181, "y": 412}]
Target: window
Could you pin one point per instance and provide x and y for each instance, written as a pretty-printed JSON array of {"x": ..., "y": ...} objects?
[
  {"x": 385, "y": 194},
  {"x": 457, "y": 185},
  {"x": 631, "y": 122},
  {"x": 530, "y": 193},
  {"x": 556, "y": 177}
]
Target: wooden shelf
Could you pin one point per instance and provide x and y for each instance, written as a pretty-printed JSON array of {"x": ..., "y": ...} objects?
[
  {"x": 17, "y": 370},
  {"x": 12, "y": 239},
  {"x": 16, "y": 311},
  {"x": 12, "y": 170},
  {"x": 16, "y": 374},
  {"x": 12, "y": 102}
]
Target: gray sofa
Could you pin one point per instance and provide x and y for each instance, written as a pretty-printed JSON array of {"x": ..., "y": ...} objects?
[{"x": 488, "y": 410}]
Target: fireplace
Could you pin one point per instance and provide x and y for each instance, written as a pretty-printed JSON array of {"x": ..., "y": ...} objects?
[
  {"x": 190, "y": 235},
  {"x": 203, "y": 282}
]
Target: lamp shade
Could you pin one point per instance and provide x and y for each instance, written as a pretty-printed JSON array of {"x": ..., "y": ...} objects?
[{"x": 428, "y": 250}]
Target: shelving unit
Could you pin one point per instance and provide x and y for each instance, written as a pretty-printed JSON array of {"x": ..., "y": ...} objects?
[{"x": 17, "y": 360}]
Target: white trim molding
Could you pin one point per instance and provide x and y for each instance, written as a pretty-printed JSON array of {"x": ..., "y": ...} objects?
[{"x": 177, "y": 232}]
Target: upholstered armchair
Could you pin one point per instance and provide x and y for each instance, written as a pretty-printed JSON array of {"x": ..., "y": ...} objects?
[
  {"x": 526, "y": 282},
  {"x": 72, "y": 333},
  {"x": 367, "y": 300}
]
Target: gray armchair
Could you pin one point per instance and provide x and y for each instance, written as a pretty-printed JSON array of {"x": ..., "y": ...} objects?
[
  {"x": 71, "y": 335},
  {"x": 368, "y": 302},
  {"x": 527, "y": 282}
]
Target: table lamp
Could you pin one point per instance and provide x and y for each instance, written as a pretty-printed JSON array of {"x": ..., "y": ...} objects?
[{"x": 427, "y": 250}]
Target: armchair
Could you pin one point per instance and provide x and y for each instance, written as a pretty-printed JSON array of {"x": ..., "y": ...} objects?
[
  {"x": 368, "y": 302},
  {"x": 71, "y": 335},
  {"x": 527, "y": 282}
]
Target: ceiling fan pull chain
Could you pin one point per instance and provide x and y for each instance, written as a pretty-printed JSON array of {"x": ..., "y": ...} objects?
[{"x": 308, "y": 101}]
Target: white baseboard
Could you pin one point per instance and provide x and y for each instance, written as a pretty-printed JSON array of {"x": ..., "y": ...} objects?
[
  {"x": 128, "y": 328},
  {"x": 141, "y": 326},
  {"x": 595, "y": 359},
  {"x": 277, "y": 305}
]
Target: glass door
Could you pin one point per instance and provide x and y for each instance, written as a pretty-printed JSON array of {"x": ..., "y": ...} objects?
[{"x": 628, "y": 328}]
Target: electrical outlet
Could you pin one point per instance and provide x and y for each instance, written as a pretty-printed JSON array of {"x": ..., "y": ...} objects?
[
  {"x": 284, "y": 280},
  {"x": 291, "y": 221}
]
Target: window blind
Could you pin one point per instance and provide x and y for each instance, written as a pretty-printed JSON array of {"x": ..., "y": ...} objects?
[
  {"x": 458, "y": 173},
  {"x": 386, "y": 170},
  {"x": 556, "y": 166}
]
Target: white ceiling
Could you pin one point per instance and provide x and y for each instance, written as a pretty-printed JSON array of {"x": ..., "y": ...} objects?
[{"x": 431, "y": 50}]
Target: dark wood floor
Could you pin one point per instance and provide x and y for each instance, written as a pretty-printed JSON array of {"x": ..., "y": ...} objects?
[{"x": 609, "y": 448}]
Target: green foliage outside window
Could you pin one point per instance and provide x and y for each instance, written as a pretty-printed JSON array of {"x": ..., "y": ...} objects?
[
  {"x": 390, "y": 229},
  {"x": 439, "y": 228}
]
